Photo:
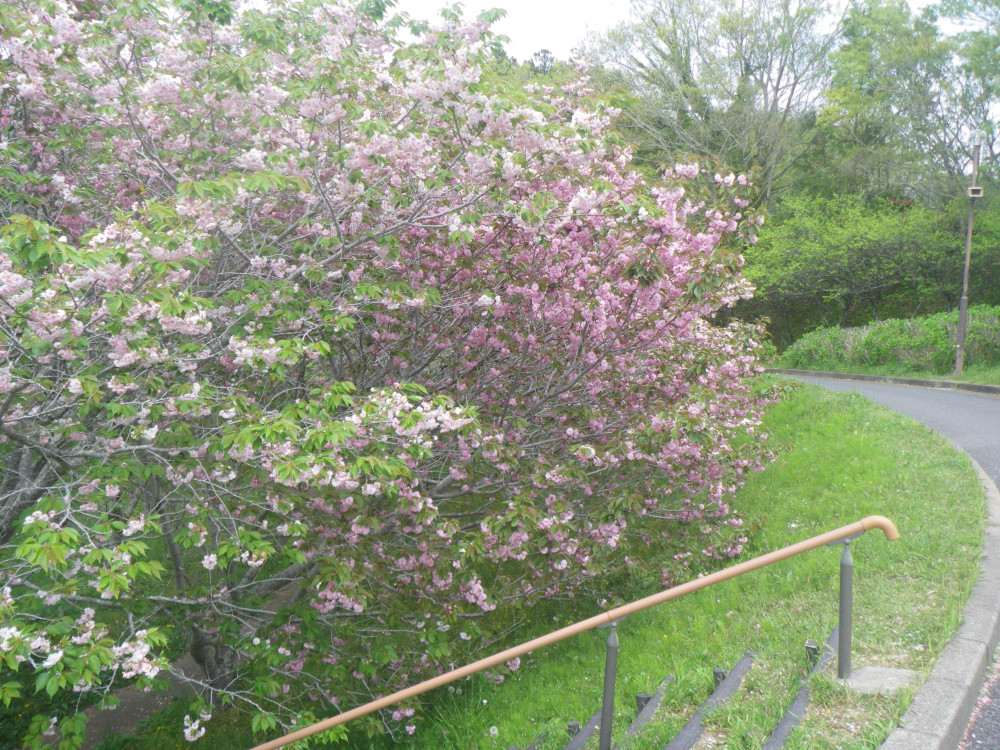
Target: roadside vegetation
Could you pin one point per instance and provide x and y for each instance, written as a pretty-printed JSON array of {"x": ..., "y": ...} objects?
[
  {"x": 852, "y": 128},
  {"x": 841, "y": 458},
  {"x": 919, "y": 347}
]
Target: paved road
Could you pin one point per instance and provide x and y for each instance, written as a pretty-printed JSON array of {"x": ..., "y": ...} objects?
[{"x": 972, "y": 421}]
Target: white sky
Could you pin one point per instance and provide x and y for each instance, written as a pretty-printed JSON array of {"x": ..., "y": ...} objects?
[
  {"x": 559, "y": 26},
  {"x": 532, "y": 25}
]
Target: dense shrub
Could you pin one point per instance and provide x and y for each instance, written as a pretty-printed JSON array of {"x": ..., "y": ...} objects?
[
  {"x": 924, "y": 344},
  {"x": 842, "y": 261}
]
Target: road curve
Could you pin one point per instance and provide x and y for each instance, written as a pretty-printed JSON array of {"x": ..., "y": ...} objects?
[{"x": 972, "y": 422}]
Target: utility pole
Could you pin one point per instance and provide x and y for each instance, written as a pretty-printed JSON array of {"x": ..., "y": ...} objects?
[{"x": 963, "y": 306}]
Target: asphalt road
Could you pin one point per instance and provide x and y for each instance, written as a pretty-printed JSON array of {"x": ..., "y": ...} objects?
[{"x": 971, "y": 421}]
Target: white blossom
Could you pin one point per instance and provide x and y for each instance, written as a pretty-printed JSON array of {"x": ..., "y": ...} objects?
[{"x": 192, "y": 729}]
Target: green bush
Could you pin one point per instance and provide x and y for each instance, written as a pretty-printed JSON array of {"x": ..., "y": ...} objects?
[
  {"x": 820, "y": 348},
  {"x": 924, "y": 344}
]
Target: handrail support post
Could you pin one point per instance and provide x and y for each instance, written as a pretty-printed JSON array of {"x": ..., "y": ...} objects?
[
  {"x": 846, "y": 612},
  {"x": 608, "y": 699}
]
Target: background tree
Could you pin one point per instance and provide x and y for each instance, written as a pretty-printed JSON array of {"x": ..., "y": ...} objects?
[
  {"x": 978, "y": 52},
  {"x": 893, "y": 125},
  {"x": 898, "y": 110},
  {"x": 739, "y": 81},
  {"x": 839, "y": 261}
]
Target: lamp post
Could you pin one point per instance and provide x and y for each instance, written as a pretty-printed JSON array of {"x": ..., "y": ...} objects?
[{"x": 974, "y": 192}]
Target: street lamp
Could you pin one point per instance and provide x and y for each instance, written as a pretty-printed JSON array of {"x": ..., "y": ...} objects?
[{"x": 974, "y": 192}]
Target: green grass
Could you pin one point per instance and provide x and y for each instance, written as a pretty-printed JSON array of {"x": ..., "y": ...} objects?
[
  {"x": 841, "y": 458},
  {"x": 983, "y": 374}
]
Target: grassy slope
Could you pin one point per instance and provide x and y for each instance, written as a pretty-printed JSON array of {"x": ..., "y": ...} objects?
[
  {"x": 976, "y": 374},
  {"x": 841, "y": 459}
]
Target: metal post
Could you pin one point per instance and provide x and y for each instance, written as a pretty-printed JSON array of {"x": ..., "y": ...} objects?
[
  {"x": 846, "y": 612},
  {"x": 963, "y": 305},
  {"x": 812, "y": 653},
  {"x": 608, "y": 701}
]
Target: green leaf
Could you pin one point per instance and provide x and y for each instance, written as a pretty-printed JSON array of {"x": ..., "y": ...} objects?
[
  {"x": 262, "y": 723},
  {"x": 9, "y": 691}
]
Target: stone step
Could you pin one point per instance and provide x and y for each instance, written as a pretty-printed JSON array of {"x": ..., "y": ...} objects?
[
  {"x": 646, "y": 706},
  {"x": 793, "y": 715},
  {"x": 725, "y": 686}
]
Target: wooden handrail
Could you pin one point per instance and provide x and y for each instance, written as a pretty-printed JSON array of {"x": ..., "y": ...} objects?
[{"x": 858, "y": 527}]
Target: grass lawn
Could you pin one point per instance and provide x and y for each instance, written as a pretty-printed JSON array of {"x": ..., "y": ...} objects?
[
  {"x": 984, "y": 375},
  {"x": 841, "y": 458}
]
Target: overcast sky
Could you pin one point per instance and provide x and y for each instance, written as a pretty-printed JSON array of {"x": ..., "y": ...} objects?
[
  {"x": 532, "y": 25},
  {"x": 556, "y": 25}
]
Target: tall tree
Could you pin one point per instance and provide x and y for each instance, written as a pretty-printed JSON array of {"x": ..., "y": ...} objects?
[
  {"x": 898, "y": 109},
  {"x": 736, "y": 79},
  {"x": 979, "y": 51}
]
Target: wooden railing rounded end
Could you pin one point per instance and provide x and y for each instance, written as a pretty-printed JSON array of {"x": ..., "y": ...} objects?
[{"x": 884, "y": 524}]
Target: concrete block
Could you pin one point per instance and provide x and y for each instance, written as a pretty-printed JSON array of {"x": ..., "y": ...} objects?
[
  {"x": 941, "y": 709},
  {"x": 981, "y": 622},
  {"x": 907, "y": 739},
  {"x": 962, "y": 661},
  {"x": 880, "y": 680},
  {"x": 986, "y": 589}
]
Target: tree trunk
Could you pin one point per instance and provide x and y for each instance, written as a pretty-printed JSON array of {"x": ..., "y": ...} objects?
[{"x": 219, "y": 662}]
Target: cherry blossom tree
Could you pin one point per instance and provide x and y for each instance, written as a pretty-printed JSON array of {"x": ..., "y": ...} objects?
[{"x": 319, "y": 344}]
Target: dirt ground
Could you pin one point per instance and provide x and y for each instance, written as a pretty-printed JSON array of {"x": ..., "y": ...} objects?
[{"x": 135, "y": 706}]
